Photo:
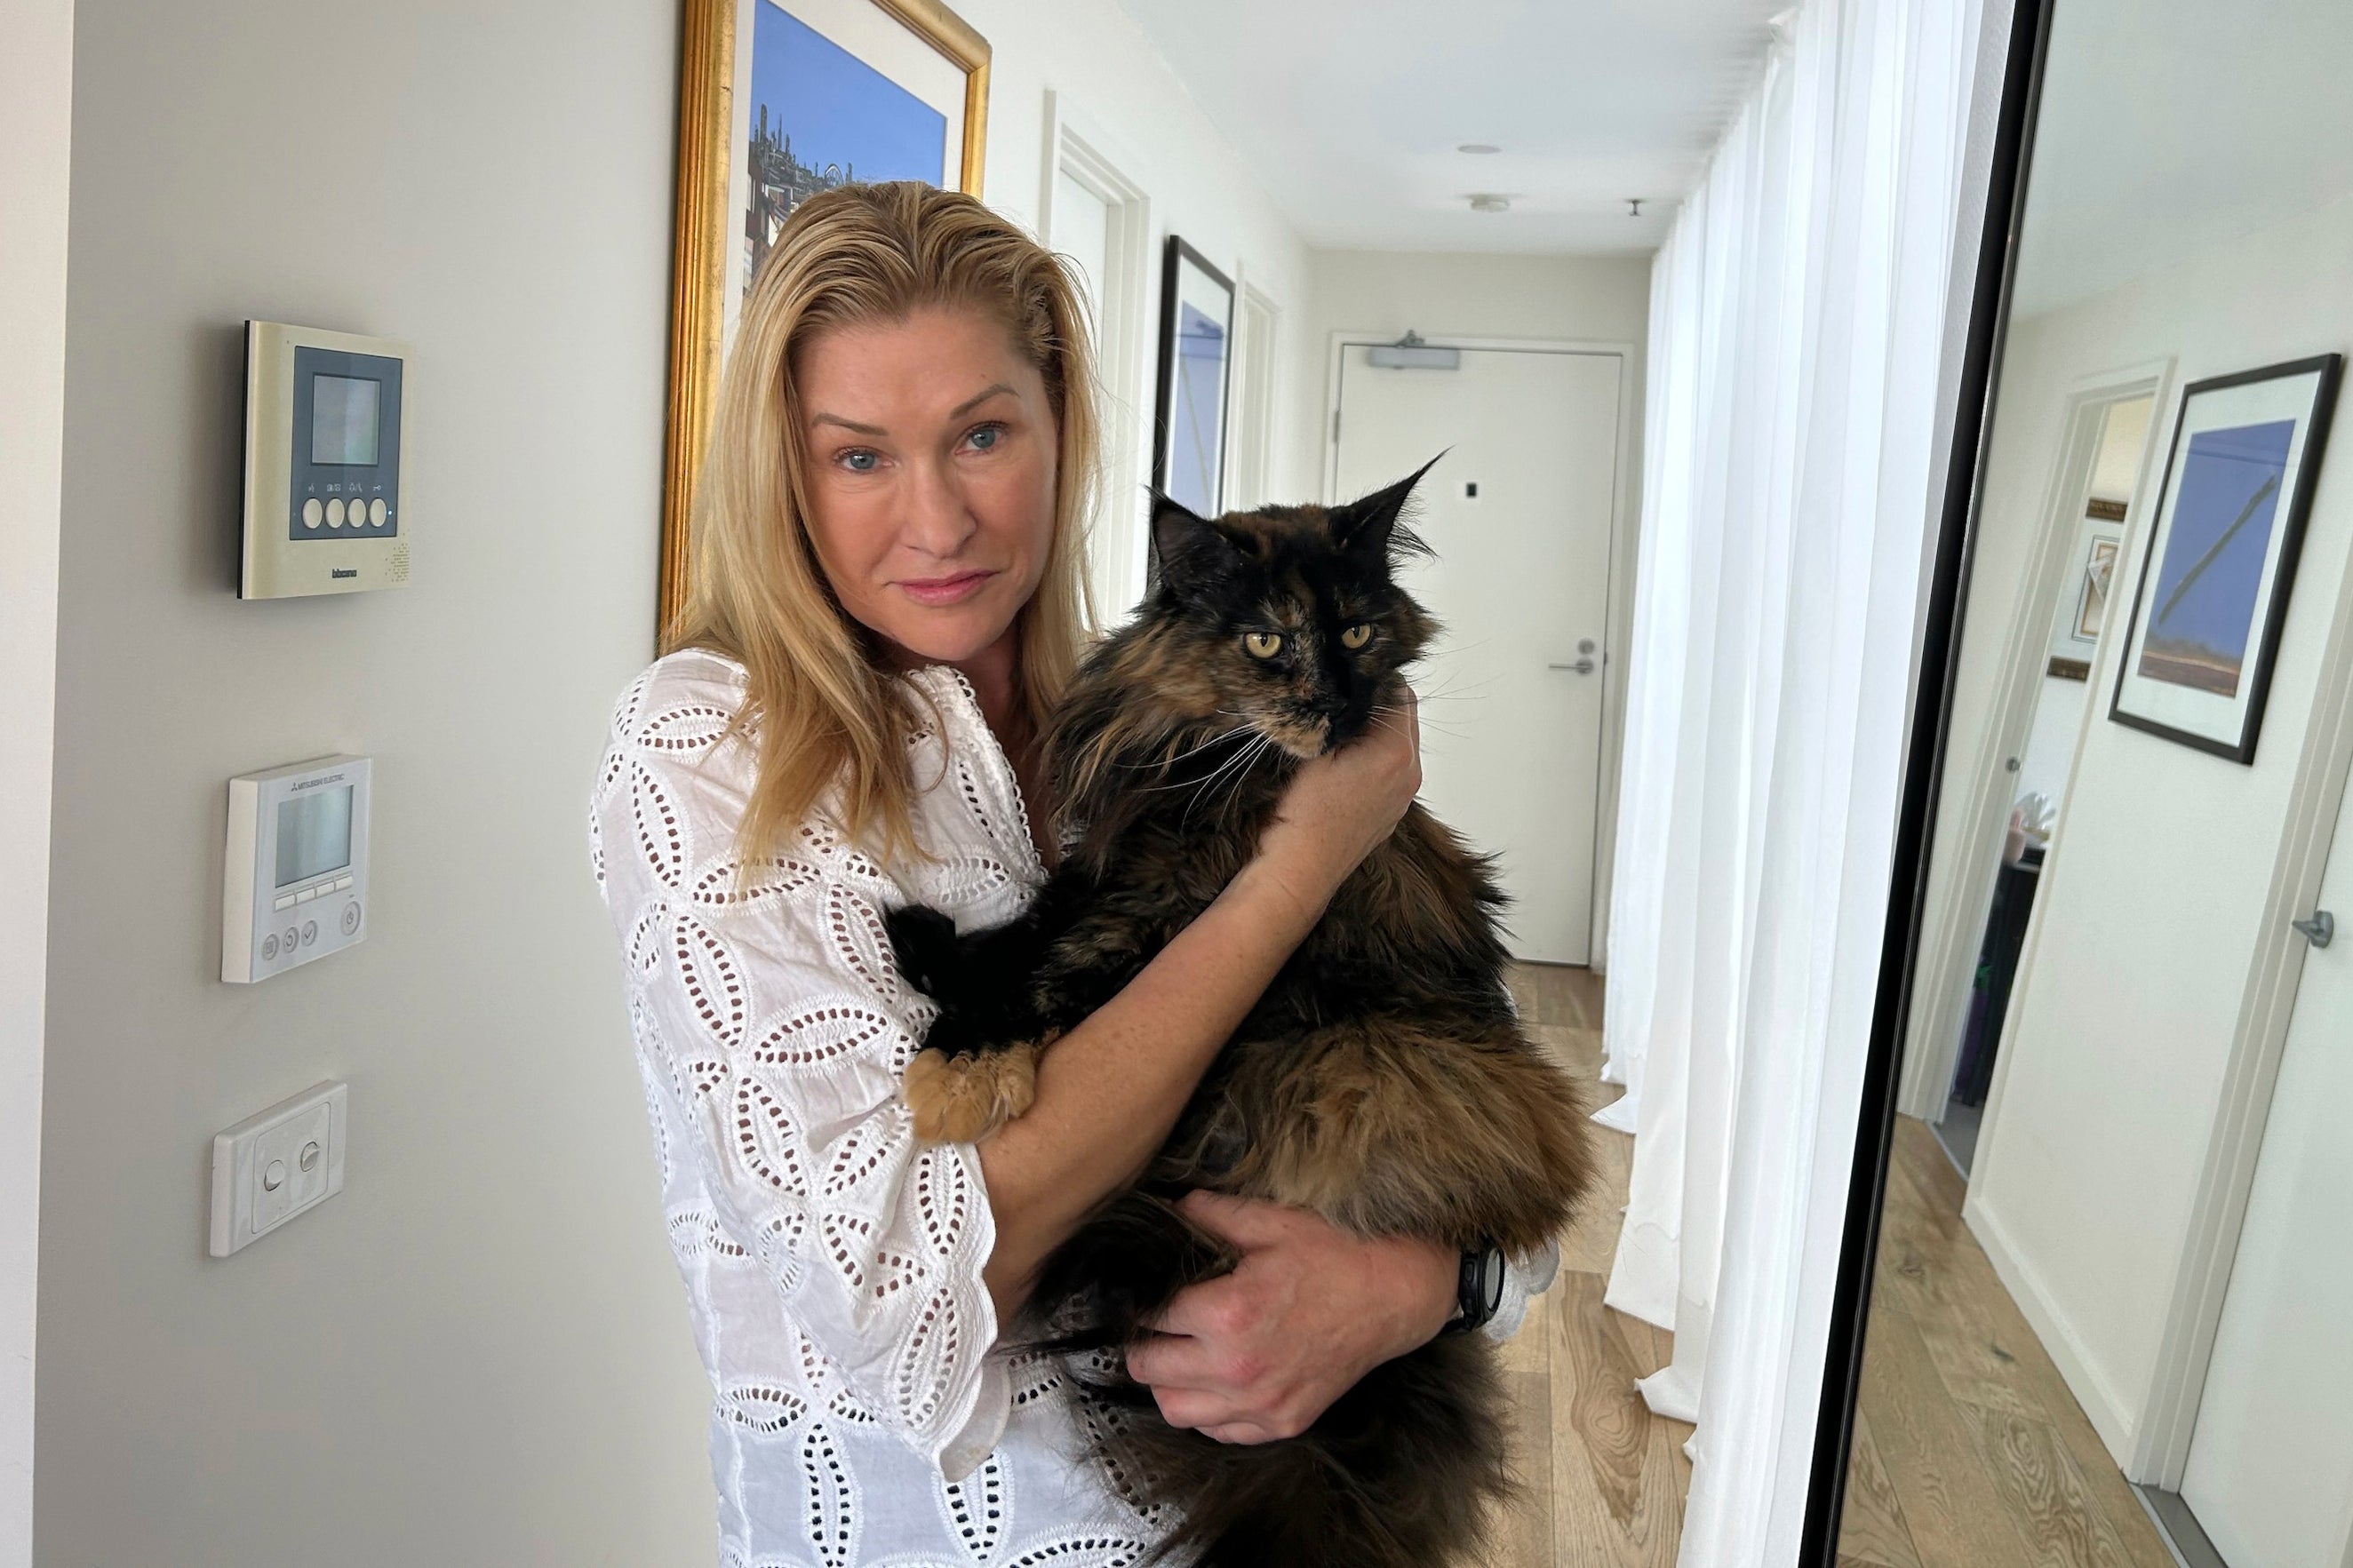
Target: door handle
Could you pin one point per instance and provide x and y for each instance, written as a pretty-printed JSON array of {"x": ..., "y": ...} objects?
[
  {"x": 1583, "y": 667},
  {"x": 2319, "y": 931}
]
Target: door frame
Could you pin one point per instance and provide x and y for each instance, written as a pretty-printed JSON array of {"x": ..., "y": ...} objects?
[
  {"x": 1076, "y": 145},
  {"x": 1618, "y": 614},
  {"x": 1952, "y": 925}
]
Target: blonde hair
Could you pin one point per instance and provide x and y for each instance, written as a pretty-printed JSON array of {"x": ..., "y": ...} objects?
[{"x": 832, "y": 723}]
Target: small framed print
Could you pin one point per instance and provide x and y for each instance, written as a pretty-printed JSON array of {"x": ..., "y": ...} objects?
[
  {"x": 2099, "y": 535},
  {"x": 2220, "y": 561},
  {"x": 1196, "y": 356}
]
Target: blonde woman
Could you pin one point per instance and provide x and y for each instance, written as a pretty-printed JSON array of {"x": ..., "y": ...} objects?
[{"x": 886, "y": 602}]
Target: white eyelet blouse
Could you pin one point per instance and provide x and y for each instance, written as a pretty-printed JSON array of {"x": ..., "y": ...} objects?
[{"x": 861, "y": 1415}]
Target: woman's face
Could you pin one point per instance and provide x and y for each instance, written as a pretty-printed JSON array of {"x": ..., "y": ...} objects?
[{"x": 931, "y": 477}]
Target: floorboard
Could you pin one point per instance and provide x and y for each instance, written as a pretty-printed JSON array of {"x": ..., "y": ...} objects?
[
  {"x": 1602, "y": 1479},
  {"x": 1969, "y": 1450}
]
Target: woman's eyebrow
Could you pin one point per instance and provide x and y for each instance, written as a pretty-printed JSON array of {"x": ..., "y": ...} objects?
[{"x": 958, "y": 412}]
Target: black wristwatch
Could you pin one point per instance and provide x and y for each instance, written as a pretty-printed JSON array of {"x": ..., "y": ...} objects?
[{"x": 1478, "y": 1291}]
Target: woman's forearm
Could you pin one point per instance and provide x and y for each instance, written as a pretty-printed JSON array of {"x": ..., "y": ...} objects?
[{"x": 1110, "y": 1090}]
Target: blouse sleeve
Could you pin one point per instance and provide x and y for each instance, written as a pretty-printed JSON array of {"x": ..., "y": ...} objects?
[{"x": 767, "y": 995}]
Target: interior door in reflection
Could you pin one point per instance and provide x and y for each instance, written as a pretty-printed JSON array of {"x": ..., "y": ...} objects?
[
  {"x": 1519, "y": 512},
  {"x": 2271, "y": 1462}
]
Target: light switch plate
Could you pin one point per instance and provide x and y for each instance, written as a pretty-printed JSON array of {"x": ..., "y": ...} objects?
[{"x": 270, "y": 1167}]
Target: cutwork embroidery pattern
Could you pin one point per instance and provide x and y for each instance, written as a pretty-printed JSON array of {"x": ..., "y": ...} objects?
[{"x": 832, "y": 1263}]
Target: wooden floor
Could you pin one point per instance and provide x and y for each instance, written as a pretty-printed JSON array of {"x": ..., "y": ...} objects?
[
  {"x": 1604, "y": 1478},
  {"x": 1969, "y": 1450}
]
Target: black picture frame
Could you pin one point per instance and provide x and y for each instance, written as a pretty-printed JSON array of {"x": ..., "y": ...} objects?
[
  {"x": 2272, "y": 615},
  {"x": 1177, "y": 257}
]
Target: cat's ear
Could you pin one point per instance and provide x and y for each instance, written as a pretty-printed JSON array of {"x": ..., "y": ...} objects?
[
  {"x": 1369, "y": 526},
  {"x": 1190, "y": 554}
]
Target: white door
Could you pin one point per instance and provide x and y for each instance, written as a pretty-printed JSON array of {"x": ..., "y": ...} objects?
[
  {"x": 1519, "y": 513},
  {"x": 2271, "y": 1461}
]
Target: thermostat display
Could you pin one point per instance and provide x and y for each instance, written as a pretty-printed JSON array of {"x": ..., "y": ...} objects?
[
  {"x": 294, "y": 880},
  {"x": 322, "y": 448}
]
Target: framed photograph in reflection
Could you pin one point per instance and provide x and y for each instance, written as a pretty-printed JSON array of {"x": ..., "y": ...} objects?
[
  {"x": 779, "y": 99},
  {"x": 1196, "y": 343},
  {"x": 2076, "y": 635},
  {"x": 2220, "y": 561}
]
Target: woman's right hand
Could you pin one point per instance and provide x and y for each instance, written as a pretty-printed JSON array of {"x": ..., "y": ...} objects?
[{"x": 1342, "y": 806}]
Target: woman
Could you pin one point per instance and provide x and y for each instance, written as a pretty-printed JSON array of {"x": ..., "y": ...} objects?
[{"x": 887, "y": 602}]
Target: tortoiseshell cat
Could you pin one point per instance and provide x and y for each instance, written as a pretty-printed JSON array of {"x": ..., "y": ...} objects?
[{"x": 1382, "y": 1082}]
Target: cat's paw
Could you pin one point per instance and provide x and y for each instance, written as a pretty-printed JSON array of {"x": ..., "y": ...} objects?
[{"x": 963, "y": 1099}]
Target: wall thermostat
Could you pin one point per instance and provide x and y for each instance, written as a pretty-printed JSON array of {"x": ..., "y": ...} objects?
[
  {"x": 323, "y": 513},
  {"x": 294, "y": 883}
]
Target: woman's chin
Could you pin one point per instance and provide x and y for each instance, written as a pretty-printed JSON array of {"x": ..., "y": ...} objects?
[{"x": 948, "y": 638}]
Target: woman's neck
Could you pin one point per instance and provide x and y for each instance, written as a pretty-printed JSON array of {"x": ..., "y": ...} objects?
[{"x": 994, "y": 676}]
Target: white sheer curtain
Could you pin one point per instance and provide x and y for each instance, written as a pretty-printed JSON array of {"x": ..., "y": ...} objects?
[{"x": 1799, "y": 313}]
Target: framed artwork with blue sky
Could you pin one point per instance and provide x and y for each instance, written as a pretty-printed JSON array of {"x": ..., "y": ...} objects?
[
  {"x": 2221, "y": 562},
  {"x": 779, "y": 99}
]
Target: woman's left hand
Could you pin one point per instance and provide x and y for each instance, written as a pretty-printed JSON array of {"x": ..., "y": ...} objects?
[{"x": 1258, "y": 1353}]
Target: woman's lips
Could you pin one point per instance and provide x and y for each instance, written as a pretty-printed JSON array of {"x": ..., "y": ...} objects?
[{"x": 939, "y": 590}]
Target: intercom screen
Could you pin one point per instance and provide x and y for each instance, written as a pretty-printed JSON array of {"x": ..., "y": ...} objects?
[
  {"x": 315, "y": 833},
  {"x": 343, "y": 419}
]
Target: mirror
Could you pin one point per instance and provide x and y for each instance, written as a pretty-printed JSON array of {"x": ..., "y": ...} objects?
[{"x": 2108, "y": 1305}]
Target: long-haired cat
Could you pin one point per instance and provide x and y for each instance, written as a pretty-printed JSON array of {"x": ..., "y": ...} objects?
[{"x": 1382, "y": 1080}]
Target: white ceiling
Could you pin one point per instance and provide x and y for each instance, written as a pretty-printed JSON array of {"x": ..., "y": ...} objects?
[
  {"x": 1349, "y": 112},
  {"x": 2171, "y": 125}
]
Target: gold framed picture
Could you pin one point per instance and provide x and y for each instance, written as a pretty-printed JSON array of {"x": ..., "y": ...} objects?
[{"x": 779, "y": 99}]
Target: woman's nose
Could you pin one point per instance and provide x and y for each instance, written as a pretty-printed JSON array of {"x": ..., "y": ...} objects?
[{"x": 935, "y": 518}]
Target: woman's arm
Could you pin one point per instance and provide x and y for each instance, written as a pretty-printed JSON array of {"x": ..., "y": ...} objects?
[{"x": 1110, "y": 1090}]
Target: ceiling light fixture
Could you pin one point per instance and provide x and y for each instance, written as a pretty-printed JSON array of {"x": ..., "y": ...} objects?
[
  {"x": 1487, "y": 202},
  {"x": 1478, "y": 147}
]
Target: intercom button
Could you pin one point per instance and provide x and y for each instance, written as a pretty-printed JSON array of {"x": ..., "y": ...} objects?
[
  {"x": 376, "y": 512},
  {"x": 336, "y": 512},
  {"x": 311, "y": 512}
]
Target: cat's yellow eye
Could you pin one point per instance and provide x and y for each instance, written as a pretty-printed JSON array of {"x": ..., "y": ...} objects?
[
  {"x": 1356, "y": 636},
  {"x": 1262, "y": 645}
]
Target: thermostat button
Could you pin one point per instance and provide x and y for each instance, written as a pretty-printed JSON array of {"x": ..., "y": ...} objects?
[
  {"x": 306, "y": 895},
  {"x": 269, "y": 945},
  {"x": 310, "y": 932},
  {"x": 285, "y": 903},
  {"x": 377, "y": 512},
  {"x": 342, "y": 882},
  {"x": 350, "y": 916},
  {"x": 311, "y": 512},
  {"x": 291, "y": 937},
  {"x": 336, "y": 512}
]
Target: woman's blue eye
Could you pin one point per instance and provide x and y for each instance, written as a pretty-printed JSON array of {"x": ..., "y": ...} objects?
[
  {"x": 859, "y": 461},
  {"x": 985, "y": 438}
]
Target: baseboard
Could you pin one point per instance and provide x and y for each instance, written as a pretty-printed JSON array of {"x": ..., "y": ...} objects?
[{"x": 2110, "y": 1417}]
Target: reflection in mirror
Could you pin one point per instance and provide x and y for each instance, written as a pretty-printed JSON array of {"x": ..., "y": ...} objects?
[{"x": 2108, "y": 1322}]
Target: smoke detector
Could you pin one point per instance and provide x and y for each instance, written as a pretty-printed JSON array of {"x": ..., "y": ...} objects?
[{"x": 1487, "y": 202}]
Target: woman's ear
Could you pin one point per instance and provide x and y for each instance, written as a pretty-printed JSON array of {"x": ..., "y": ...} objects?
[{"x": 1191, "y": 555}]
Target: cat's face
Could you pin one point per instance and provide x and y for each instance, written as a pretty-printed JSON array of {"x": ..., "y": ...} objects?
[{"x": 1291, "y": 617}]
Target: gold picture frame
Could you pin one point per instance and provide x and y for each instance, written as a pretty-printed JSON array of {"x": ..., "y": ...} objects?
[{"x": 702, "y": 232}]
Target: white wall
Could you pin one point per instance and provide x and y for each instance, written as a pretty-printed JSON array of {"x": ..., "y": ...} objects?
[
  {"x": 35, "y": 127},
  {"x": 479, "y": 1352},
  {"x": 1596, "y": 299},
  {"x": 2146, "y": 926}
]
